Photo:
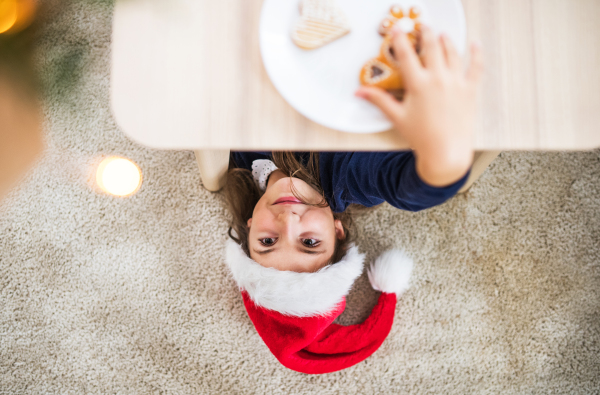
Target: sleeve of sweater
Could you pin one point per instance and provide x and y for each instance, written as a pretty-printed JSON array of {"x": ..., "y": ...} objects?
[{"x": 370, "y": 178}]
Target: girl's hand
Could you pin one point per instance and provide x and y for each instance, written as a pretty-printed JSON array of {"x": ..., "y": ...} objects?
[{"x": 437, "y": 114}]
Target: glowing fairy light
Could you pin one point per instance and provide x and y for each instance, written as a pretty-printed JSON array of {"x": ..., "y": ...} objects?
[
  {"x": 8, "y": 14},
  {"x": 16, "y": 15},
  {"x": 118, "y": 176}
]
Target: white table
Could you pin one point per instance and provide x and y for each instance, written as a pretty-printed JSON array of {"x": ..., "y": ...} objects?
[{"x": 187, "y": 74}]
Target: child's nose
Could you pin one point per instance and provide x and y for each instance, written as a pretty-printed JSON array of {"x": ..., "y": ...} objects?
[
  {"x": 288, "y": 215},
  {"x": 288, "y": 221}
]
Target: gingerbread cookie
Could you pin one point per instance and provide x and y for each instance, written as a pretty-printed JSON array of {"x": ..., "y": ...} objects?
[
  {"x": 321, "y": 22},
  {"x": 383, "y": 71}
]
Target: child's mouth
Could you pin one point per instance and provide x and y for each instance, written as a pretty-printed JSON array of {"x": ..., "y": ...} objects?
[{"x": 287, "y": 200}]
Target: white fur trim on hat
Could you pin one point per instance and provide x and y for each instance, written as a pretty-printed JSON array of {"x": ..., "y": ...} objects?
[
  {"x": 390, "y": 273},
  {"x": 291, "y": 293}
]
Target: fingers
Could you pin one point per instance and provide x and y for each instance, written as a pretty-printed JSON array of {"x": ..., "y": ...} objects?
[
  {"x": 391, "y": 107},
  {"x": 433, "y": 57},
  {"x": 476, "y": 65},
  {"x": 408, "y": 61},
  {"x": 451, "y": 55}
]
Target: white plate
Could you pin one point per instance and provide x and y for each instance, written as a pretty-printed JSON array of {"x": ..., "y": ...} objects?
[{"x": 320, "y": 83}]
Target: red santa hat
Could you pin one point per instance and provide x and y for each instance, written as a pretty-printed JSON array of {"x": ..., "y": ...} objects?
[{"x": 294, "y": 312}]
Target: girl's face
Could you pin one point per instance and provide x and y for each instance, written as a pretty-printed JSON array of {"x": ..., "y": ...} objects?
[{"x": 286, "y": 234}]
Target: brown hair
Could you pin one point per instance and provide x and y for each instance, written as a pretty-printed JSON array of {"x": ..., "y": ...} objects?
[{"x": 242, "y": 195}]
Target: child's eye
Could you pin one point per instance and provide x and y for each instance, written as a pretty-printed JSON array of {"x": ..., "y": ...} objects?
[
  {"x": 310, "y": 242},
  {"x": 267, "y": 241}
]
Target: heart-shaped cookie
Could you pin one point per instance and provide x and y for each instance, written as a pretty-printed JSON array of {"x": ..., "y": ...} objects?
[
  {"x": 321, "y": 22},
  {"x": 379, "y": 74}
]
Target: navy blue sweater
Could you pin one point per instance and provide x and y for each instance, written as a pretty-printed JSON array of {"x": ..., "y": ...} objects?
[{"x": 369, "y": 178}]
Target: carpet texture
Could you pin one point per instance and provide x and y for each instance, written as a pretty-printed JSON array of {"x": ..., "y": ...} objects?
[{"x": 131, "y": 296}]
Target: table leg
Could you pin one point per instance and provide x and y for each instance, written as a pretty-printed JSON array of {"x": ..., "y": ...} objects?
[
  {"x": 481, "y": 161},
  {"x": 213, "y": 166}
]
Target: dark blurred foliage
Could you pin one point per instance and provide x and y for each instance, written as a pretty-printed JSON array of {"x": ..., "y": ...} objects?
[
  {"x": 20, "y": 57},
  {"x": 16, "y": 56}
]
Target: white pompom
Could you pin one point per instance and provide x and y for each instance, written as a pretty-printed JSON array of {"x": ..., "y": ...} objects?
[{"x": 390, "y": 273}]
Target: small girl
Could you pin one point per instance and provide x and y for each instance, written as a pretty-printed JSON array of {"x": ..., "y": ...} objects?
[{"x": 291, "y": 251}]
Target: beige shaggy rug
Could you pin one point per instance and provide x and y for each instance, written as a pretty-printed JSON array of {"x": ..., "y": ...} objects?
[{"x": 131, "y": 296}]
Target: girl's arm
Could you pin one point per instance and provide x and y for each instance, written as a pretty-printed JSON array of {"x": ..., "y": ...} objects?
[{"x": 437, "y": 114}]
